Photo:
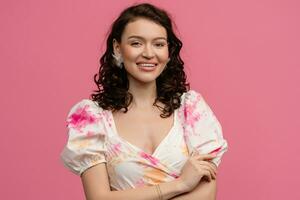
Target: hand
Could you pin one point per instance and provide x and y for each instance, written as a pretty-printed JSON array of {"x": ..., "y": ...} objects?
[{"x": 197, "y": 167}]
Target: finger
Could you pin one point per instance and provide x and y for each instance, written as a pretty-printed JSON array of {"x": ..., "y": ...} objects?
[
  {"x": 194, "y": 153},
  {"x": 212, "y": 166},
  {"x": 204, "y": 172},
  {"x": 205, "y": 156},
  {"x": 209, "y": 166},
  {"x": 207, "y": 175},
  {"x": 206, "y": 167},
  {"x": 209, "y": 163}
]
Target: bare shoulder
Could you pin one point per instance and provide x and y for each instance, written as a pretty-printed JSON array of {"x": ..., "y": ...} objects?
[{"x": 95, "y": 181}]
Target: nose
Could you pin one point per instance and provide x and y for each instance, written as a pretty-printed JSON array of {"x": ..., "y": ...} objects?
[{"x": 148, "y": 52}]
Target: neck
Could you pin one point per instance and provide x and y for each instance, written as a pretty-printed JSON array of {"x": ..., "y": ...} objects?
[{"x": 144, "y": 94}]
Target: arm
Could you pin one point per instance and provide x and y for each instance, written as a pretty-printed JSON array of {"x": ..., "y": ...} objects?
[
  {"x": 96, "y": 187},
  {"x": 204, "y": 191}
]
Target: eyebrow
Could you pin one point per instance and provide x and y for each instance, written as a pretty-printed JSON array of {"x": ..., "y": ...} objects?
[{"x": 139, "y": 37}]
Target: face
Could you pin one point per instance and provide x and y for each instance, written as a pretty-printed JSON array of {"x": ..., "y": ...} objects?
[{"x": 144, "y": 50}]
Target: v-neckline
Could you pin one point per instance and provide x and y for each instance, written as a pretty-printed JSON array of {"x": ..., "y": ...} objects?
[{"x": 114, "y": 127}]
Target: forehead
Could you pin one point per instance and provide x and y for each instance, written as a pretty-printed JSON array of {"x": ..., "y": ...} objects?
[{"x": 144, "y": 28}]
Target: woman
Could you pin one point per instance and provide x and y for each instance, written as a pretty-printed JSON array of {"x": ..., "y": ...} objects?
[{"x": 144, "y": 134}]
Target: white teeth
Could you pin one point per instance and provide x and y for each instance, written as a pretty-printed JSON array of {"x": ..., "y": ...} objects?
[{"x": 146, "y": 65}]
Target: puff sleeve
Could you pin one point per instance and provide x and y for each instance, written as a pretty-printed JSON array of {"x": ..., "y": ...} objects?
[
  {"x": 86, "y": 138},
  {"x": 202, "y": 130}
]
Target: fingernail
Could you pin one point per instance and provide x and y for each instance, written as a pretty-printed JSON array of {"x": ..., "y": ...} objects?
[{"x": 214, "y": 154}]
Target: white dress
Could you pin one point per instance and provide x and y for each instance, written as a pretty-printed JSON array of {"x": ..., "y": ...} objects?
[{"x": 93, "y": 139}]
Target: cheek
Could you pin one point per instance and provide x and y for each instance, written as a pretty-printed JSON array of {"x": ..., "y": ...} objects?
[
  {"x": 163, "y": 55},
  {"x": 130, "y": 53}
]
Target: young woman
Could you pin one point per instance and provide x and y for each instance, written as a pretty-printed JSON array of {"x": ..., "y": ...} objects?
[{"x": 144, "y": 134}]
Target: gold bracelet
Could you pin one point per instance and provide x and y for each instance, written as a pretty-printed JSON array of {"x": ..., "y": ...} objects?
[
  {"x": 156, "y": 188},
  {"x": 160, "y": 197}
]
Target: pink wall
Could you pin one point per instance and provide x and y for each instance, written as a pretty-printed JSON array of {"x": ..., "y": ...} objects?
[{"x": 243, "y": 56}]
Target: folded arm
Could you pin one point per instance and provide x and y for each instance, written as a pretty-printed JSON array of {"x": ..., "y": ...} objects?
[{"x": 204, "y": 191}]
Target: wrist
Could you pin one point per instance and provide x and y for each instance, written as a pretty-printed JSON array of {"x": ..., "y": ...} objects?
[{"x": 181, "y": 186}]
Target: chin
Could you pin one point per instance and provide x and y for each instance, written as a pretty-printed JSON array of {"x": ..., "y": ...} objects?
[{"x": 145, "y": 78}]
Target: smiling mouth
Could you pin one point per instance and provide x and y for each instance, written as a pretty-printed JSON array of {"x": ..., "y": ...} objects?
[
  {"x": 146, "y": 64},
  {"x": 147, "y": 67}
]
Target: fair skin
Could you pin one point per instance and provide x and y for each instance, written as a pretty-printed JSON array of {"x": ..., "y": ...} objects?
[{"x": 144, "y": 41}]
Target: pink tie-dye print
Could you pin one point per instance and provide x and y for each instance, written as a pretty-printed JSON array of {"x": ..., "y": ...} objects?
[
  {"x": 148, "y": 157},
  {"x": 81, "y": 118},
  {"x": 190, "y": 111},
  {"x": 117, "y": 148},
  {"x": 128, "y": 166}
]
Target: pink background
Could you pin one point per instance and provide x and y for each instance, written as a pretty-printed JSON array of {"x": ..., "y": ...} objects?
[{"x": 243, "y": 56}]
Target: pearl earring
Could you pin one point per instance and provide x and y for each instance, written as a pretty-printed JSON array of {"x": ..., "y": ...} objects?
[{"x": 118, "y": 60}]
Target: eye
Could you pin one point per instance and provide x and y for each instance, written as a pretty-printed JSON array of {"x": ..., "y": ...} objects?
[
  {"x": 160, "y": 44},
  {"x": 135, "y": 44}
]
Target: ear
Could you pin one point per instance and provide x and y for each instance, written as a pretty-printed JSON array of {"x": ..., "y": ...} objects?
[{"x": 116, "y": 47}]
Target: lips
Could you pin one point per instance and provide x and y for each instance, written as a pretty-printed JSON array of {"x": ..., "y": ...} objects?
[{"x": 146, "y": 64}]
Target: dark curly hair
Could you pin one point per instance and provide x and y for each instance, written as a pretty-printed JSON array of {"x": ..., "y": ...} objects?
[{"x": 112, "y": 82}]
